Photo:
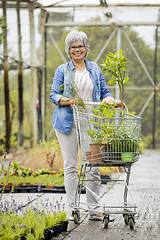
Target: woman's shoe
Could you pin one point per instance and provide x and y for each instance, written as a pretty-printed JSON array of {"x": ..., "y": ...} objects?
[
  {"x": 71, "y": 217},
  {"x": 98, "y": 217}
]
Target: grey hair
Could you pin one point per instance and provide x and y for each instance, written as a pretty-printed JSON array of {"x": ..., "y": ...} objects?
[{"x": 76, "y": 36}]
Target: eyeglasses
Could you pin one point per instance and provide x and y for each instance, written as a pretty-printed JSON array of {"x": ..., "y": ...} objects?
[{"x": 80, "y": 47}]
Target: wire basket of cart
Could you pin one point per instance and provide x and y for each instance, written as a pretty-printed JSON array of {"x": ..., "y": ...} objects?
[{"x": 107, "y": 137}]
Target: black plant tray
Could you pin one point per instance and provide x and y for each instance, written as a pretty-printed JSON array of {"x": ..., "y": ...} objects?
[
  {"x": 32, "y": 189},
  {"x": 55, "y": 189},
  {"x": 36, "y": 189},
  {"x": 53, "y": 231}
]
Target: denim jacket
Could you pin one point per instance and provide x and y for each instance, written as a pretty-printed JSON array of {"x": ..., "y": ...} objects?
[{"x": 63, "y": 86}]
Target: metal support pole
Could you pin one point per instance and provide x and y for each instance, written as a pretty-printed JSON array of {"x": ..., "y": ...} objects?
[
  {"x": 20, "y": 81},
  {"x": 128, "y": 171},
  {"x": 118, "y": 48},
  {"x": 45, "y": 70},
  {"x": 155, "y": 82},
  {"x": 34, "y": 125},
  {"x": 6, "y": 80},
  {"x": 42, "y": 63},
  {"x": 39, "y": 104}
]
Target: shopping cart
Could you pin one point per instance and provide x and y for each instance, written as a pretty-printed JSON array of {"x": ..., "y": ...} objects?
[{"x": 116, "y": 139}]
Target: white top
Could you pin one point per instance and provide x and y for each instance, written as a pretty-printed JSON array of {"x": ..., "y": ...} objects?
[{"x": 83, "y": 85}]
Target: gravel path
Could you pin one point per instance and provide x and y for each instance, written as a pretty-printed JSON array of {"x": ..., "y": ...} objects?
[{"x": 145, "y": 188}]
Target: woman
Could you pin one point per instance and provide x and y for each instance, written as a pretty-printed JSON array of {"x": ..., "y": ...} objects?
[{"x": 85, "y": 80}]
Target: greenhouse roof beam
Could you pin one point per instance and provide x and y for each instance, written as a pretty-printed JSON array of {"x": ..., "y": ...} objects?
[{"x": 98, "y": 24}]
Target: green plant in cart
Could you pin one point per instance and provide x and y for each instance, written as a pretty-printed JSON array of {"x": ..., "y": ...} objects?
[
  {"x": 95, "y": 135},
  {"x": 101, "y": 124},
  {"x": 115, "y": 65},
  {"x": 124, "y": 139}
]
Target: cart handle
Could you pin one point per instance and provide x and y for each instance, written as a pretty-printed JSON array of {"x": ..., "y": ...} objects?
[{"x": 99, "y": 103}]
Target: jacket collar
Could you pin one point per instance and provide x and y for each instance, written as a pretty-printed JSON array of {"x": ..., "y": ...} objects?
[{"x": 72, "y": 67}]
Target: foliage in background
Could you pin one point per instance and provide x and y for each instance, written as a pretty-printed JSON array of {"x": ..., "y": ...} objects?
[
  {"x": 134, "y": 100},
  {"x": 2, "y": 27}
]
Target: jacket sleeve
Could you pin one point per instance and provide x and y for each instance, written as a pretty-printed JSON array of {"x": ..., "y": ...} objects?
[{"x": 57, "y": 85}]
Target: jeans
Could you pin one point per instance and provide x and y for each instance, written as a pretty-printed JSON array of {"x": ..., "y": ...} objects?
[{"x": 69, "y": 146}]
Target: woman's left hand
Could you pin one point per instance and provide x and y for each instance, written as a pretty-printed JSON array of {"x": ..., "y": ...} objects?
[
  {"x": 118, "y": 103},
  {"x": 109, "y": 100},
  {"x": 112, "y": 101}
]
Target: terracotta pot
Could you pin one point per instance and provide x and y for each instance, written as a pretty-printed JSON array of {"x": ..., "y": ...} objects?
[
  {"x": 16, "y": 186},
  {"x": 88, "y": 155},
  {"x": 50, "y": 187},
  {"x": 8, "y": 186},
  {"x": 52, "y": 173},
  {"x": 96, "y": 154}
]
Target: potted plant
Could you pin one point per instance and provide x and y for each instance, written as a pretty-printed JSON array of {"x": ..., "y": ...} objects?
[
  {"x": 100, "y": 131},
  {"x": 118, "y": 135},
  {"x": 124, "y": 138}
]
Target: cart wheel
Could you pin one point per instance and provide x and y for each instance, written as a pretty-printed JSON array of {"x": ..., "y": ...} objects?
[
  {"x": 76, "y": 217},
  {"x": 106, "y": 221},
  {"x": 126, "y": 219},
  {"x": 131, "y": 222}
]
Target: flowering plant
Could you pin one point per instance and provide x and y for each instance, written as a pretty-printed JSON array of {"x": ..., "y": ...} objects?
[{"x": 17, "y": 222}]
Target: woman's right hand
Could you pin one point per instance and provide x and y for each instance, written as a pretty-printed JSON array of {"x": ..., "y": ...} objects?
[{"x": 64, "y": 101}]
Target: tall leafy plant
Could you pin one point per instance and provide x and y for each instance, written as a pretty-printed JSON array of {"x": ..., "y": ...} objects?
[
  {"x": 101, "y": 125},
  {"x": 115, "y": 64}
]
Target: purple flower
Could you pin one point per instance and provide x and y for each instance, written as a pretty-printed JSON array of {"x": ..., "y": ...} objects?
[
  {"x": 39, "y": 188},
  {"x": 22, "y": 226}
]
